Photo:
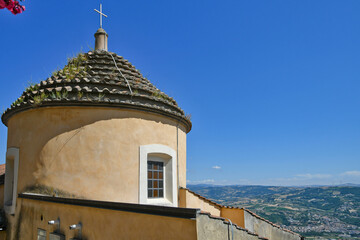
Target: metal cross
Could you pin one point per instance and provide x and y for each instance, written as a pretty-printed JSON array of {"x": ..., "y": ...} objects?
[{"x": 101, "y": 14}]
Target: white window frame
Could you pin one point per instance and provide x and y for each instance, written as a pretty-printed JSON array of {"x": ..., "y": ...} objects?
[
  {"x": 158, "y": 152},
  {"x": 11, "y": 175}
]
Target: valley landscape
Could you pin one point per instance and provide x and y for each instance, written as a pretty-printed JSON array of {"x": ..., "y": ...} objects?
[{"x": 319, "y": 212}]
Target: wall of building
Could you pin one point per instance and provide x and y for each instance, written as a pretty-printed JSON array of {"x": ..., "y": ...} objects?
[
  {"x": 2, "y": 195},
  {"x": 236, "y": 215},
  {"x": 239, "y": 216},
  {"x": 215, "y": 229},
  {"x": 266, "y": 229},
  {"x": 98, "y": 223},
  {"x": 190, "y": 200},
  {"x": 90, "y": 152},
  {"x": 2, "y": 233}
]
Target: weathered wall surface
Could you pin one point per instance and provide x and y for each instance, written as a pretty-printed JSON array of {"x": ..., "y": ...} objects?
[
  {"x": 267, "y": 230},
  {"x": 90, "y": 152},
  {"x": 236, "y": 215},
  {"x": 99, "y": 223},
  {"x": 2, "y": 195},
  {"x": 216, "y": 229},
  {"x": 190, "y": 200},
  {"x": 2, "y": 235}
]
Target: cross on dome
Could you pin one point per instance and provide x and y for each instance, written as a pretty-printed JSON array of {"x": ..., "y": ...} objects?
[{"x": 101, "y": 14}]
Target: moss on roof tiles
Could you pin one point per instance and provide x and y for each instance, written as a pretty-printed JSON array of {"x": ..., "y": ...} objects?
[{"x": 91, "y": 79}]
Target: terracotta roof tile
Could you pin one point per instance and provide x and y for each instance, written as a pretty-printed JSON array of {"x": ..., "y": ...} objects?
[
  {"x": 92, "y": 79},
  {"x": 2, "y": 169}
]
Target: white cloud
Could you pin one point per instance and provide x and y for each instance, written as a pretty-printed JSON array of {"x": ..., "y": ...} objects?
[
  {"x": 205, "y": 181},
  {"x": 216, "y": 167},
  {"x": 314, "y": 176},
  {"x": 351, "y": 173}
]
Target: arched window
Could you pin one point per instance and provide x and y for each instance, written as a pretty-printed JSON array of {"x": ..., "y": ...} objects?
[
  {"x": 158, "y": 175},
  {"x": 11, "y": 177}
]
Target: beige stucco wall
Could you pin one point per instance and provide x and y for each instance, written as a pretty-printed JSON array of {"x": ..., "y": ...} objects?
[
  {"x": 2, "y": 235},
  {"x": 90, "y": 152},
  {"x": 216, "y": 229},
  {"x": 189, "y": 200},
  {"x": 265, "y": 229},
  {"x": 99, "y": 223},
  {"x": 236, "y": 215}
]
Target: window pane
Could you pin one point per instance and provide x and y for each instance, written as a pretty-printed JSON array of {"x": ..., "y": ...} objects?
[{"x": 155, "y": 179}]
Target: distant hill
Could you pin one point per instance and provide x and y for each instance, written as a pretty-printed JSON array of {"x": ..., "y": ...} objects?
[
  {"x": 329, "y": 211},
  {"x": 349, "y": 185}
]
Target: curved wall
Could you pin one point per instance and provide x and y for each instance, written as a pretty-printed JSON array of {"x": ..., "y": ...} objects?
[{"x": 90, "y": 152}]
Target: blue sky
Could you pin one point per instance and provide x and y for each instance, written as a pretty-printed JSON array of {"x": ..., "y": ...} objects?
[{"x": 272, "y": 86}]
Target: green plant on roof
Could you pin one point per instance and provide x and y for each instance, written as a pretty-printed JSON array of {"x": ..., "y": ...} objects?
[
  {"x": 74, "y": 68},
  {"x": 161, "y": 95},
  {"x": 31, "y": 87},
  {"x": 80, "y": 95},
  {"x": 18, "y": 101},
  {"x": 50, "y": 191},
  {"x": 91, "y": 48},
  {"x": 101, "y": 97},
  {"x": 59, "y": 95},
  {"x": 39, "y": 98},
  {"x": 64, "y": 93},
  {"x": 55, "y": 95}
]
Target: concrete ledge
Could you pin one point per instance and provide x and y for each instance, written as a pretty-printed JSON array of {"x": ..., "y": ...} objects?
[{"x": 188, "y": 213}]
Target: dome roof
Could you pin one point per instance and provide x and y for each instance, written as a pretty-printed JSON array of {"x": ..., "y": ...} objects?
[{"x": 93, "y": 79}]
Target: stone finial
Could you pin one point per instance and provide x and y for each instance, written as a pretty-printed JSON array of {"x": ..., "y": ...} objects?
[{"x": 101, "y": 40}]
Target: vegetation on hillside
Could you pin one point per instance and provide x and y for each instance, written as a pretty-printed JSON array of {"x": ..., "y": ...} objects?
[{"x": 330, "y": 212}]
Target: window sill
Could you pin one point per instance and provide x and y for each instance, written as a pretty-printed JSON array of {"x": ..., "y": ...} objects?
[{"x": 159, "y": 202}]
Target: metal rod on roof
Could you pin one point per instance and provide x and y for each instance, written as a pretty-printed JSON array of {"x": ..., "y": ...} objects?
[{"x": 121, "y": 73}]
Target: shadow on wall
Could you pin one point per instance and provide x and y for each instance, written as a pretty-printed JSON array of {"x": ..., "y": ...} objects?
[{"x": 57, "y": 143}]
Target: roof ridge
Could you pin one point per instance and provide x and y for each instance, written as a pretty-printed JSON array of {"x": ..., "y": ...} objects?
[
  {"x": 201, "y": 197},
  {"x": 245, "y": 209}
]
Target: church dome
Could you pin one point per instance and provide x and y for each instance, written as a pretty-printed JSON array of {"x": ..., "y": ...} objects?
[{"x": 98, "y": 79}]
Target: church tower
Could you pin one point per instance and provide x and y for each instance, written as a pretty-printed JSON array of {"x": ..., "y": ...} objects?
[
  {"x": 96, "y": 151},
  {"x": 97, "y": 129}
]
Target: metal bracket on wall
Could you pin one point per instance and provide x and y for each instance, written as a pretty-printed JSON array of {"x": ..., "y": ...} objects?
[{"x": 78, "y": 227}]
